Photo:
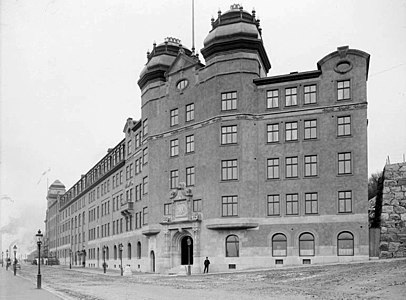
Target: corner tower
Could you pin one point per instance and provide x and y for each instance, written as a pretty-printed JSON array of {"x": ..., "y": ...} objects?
[{"x": 236, "y": 32}]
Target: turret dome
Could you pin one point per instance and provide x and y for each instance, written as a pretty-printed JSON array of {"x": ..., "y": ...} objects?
[
  {"x": 160, "y": 59},
  {"x": 236, "y": 29}
]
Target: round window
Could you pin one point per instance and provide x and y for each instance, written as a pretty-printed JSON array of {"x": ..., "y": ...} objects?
[{"x": 182, "y": 84}]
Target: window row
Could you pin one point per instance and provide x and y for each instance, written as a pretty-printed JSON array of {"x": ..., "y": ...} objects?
[
  {"x": 118, "y": 251},
  {"x": 291, "y": 205},
  {"x": 174, "y": 177},
  {"x": 345, "y": 245},
  {"x": 189, "y": 114},
  {"x": 310, "y": 166}
]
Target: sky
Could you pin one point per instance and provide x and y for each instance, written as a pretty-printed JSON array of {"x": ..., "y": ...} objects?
[{"x": 69, "y": 72}]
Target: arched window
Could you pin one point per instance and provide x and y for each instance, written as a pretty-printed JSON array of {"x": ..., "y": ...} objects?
[
  {"x": 115, "y": 251},
  {"x": 232, "y": 246},
  {"x": 279, "y": 245},
  {"x": 306, "y": 244},
  {"x": 345, "y": 244},
  {"x": 129, "y": 250},
  {"x": 139, "y": 250}
]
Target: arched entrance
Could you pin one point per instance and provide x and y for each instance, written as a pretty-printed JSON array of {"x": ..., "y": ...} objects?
[
  {"x": 186, "y": 250},
  {"x": 152, "y": 256}
]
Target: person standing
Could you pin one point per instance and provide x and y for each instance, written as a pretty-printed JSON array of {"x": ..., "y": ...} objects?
[{"x": 206, "y": 265}]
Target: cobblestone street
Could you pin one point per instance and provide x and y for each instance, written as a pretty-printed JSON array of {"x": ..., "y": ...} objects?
[{"x": 369, "y": 280}]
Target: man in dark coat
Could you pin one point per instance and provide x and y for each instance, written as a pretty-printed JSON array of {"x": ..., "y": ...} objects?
[{"x": 206, "y": 265}]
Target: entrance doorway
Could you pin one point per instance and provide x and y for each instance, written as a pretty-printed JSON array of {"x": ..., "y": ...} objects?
[
  {"x": 152, "y": 256},
  {"x": 186, "y": 249}
]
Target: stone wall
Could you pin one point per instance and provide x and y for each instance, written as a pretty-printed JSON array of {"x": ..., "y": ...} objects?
[{"x": 393, "y": 217}]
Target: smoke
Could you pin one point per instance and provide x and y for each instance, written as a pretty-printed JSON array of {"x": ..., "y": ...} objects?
[{"x": 12, "y": 227}]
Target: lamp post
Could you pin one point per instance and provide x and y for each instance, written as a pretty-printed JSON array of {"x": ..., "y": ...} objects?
[
  {"x": 104, "y": 259},
  {"x": 15, "y": 260},
  {"x": 189, "y": 242},
  {"x": 120, "y": 248},
  {"x": 7, "y": 259},
  {"x": 2, "y": 262},
  {"x": 39, "y": 236},
  {"x": 70, "y": 258}
]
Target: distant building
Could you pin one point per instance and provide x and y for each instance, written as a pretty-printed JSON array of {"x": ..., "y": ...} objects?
[{"x": 251, "y": 171}]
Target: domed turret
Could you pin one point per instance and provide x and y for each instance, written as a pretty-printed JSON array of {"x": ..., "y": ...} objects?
[
  {"x": 160, "y": 59},
  {"x": 55, "y": 189},
  {"x": 236, "y": 29}
]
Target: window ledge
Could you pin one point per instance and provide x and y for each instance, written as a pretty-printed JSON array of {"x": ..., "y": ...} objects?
[{"x": 223, "y": 226}]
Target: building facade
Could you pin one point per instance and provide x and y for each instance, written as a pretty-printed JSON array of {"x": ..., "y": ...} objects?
[{"x": 227, "y": 163}]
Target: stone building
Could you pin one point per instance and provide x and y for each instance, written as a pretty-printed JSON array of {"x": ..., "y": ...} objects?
[
  {"x": 393, "y": 216},
  {"x": 249, "y": 170}
]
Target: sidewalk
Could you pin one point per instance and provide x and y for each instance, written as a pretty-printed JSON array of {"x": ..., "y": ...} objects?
[{"x": 17, "y": 288}]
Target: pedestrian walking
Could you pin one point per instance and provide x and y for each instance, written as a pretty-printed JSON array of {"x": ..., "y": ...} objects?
[{"x": 206, "y": 265}]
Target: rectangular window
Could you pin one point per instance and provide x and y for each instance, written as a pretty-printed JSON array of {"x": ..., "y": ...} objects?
[
  {"x": 190, "y": 176},
  {"x": 310, "y": 129},
  {"x": 343, "y": 90},
  {"x": 344, "y": 163},
  {"x": 174, "y": 117},
  {"x": 167, "y": 209},
  {"x": 229, "y": 206},
  {"x": 273, "y": 205},
  {"x": 291, "y": 96},
  {"x": 310, "y": 94},
  {"x": 291, "y": 131},
  {"x": 229, "y": 134},
  {"x": 174, "y": 147},
  {"x": 190, "y": 143},
  {"x": 291, "y": 167},
  {"x": 197, "y": 205},
  {"x": 292, "y": 204},
  {"x": 345, "y": 202},
  {"x": 129, "y": 146},
  {"x": 272, "y": 99},
  {"x": 145, "y": 127},
  {"x": 137, "y": 140},
  {"x": 273, "y": 168},
  {"x": 145, "y": 185},
  {"x": 310, "y": 162},
  {"x": 272, "y": 133},
  {"x": 145, "y": 156},
  {"x": 228, "y": 101},
  {"x": 344, "y": 126},
  {"x": 190, "y": 112},
  {"x": 229, "y": 170},
  {"x": 311, "y": 203},
  {"x": 145, "y": 216},
  {"x": 174, "y": 179}
]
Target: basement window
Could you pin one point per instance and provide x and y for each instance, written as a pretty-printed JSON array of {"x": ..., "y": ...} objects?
[
  {"x": 232, "y": 266},
  {"x": 307, "y": 261}
]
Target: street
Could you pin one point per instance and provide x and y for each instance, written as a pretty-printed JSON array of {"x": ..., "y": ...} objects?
[{"x": 381, "y": 279}]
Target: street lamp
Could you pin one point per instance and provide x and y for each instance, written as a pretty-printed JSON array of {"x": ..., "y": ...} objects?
[
  {"x": 7, "y": 259},
  {"x": 70, "y": 258},
  {"x": 39, "y": 236},
  {"x": 15, "y": 260},
  {"x": 120, "y": 248},
  {"x": 104, "y": 259},
  {"x": 2, "y": 262},
  {"x": 189, "y": 242}
]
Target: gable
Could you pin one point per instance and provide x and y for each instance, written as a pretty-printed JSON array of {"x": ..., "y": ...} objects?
[{"x": 181, "y": 62}]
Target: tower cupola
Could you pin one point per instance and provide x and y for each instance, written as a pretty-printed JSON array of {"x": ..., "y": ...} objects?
[
  {"x": 235, "y": 30},
  {"x": 160, "y": 59}
]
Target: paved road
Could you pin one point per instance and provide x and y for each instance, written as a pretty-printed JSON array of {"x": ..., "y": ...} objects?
[
  {"x": 18, "y": 288},
  {"x": 383, "y": 279}
]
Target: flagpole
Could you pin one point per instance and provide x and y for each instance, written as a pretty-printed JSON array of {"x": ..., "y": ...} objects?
[{"x": 193, "y": 27}]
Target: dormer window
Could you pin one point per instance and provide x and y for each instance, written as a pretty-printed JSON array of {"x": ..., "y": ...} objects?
[{"x": 182, "y": 84}]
